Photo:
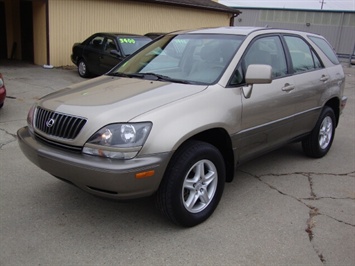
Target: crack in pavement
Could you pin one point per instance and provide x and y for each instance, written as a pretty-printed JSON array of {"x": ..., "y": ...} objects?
[
  {"x": 313, "y": 211},
  {"x": 36, "y": 86},
  {"x": 14, "y": 136}
]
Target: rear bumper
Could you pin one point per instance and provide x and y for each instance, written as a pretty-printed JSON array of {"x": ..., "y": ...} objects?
[{"x": 103, "y": 177}]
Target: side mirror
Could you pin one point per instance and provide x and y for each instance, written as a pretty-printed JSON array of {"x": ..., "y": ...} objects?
[
  {"x": 258, "y": 74},
  {"x": 116, "y": 53}
]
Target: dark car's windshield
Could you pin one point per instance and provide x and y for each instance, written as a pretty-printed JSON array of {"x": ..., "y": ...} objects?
[
  {"x": 188, "y": 58},
  {"x": 131, "y": 44}
]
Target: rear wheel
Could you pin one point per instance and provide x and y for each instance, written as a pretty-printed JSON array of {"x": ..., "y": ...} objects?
[
  {"x": 83, "y": 69},
  {"x": 193, "y": 184},
  {"x": 318, "y": 143}
]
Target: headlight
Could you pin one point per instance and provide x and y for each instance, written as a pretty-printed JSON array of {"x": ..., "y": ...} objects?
[
  {"x": 118, "y": 141},
  {"x": 30, "y": 118}
]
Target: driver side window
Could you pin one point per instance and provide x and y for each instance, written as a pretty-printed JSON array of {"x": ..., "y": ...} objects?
[
  {"x": 110, "y": 45},
  {"x": 97, "y": 42},
  {"x": 266, "y": 51}
]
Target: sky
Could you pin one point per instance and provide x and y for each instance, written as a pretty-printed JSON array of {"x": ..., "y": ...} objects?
[{"x": 346, "y": 5}]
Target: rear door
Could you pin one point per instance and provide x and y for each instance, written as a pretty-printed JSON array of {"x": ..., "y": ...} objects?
[
  {"x": 310, "y": 79},
  {"x": 267, "y": 115}
]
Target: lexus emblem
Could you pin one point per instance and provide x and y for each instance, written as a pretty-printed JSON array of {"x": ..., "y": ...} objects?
[{"x": 50, "y": 122}]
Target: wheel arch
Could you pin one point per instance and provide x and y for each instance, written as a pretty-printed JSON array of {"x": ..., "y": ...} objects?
[
  {"x": 334, "y": 103},
  {"x": 78, "y": 58},
  {"x": 219, "y": 138}
]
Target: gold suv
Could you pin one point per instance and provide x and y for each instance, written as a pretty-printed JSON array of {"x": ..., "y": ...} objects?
[{"x": 175, "y": 119}]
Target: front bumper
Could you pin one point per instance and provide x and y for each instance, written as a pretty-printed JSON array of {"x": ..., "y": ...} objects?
[
  {"x": 74, "y": 59},
  {"x": 100, "y": 176}
]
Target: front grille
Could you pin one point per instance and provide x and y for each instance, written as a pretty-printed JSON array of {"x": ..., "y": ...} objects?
[
  {"x": 58, "y": 124},
  {"x": 58, "y": 145}
]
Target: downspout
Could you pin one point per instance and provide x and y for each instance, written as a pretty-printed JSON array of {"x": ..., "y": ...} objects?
[
  {"x": 48, "y": 65},
  {"x": 231, "y": 20},
  {"x": 340, "y": 32}
]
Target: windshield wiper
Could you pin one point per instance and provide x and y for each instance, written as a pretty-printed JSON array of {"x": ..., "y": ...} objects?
[
  {"x": 150, "y": 76},
  {"x": 127, "y": 75},
  {"x": 154, "y": 76}
]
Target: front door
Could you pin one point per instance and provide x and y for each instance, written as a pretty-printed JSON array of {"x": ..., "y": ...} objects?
[
  {"x": 267, "y": 115},
  {"x": 107, "y": 59}
]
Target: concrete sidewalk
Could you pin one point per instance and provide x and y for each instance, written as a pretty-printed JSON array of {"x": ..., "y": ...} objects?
[{"x": 281, "y": 209}]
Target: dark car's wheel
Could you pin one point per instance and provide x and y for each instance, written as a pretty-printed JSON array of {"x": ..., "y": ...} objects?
[
  {"x": 83, "y": 69},
  {"x": 193, "y": 184},
  {"x": 318, "y": 143}
]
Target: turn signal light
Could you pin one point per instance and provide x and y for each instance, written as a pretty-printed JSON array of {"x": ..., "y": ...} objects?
[{"x": 145, "y": 174}]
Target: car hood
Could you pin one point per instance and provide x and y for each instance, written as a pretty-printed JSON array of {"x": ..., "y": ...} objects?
[{"x": 115, "y": 99}]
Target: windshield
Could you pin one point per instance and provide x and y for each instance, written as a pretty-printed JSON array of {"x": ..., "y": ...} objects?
[
  {"x": 185, "y": 58},
  {"x": 131, "y": 44}
]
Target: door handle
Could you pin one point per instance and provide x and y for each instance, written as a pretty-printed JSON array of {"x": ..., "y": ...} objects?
[
  {"x": 287, "y": 87},
  {"x": 324, "y": 78}
]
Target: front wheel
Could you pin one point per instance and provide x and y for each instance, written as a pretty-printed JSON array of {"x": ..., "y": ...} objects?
[
  {"x": 193, "y": 184},
  {"x": 318, "y": 143}
]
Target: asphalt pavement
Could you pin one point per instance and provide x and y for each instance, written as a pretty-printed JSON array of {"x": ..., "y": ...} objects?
[{"x": 281, "y": 209}]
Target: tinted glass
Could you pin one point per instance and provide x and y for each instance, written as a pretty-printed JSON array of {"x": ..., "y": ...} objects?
[
  {"x": 301, "y": 54},
  {"x": 110, "y": 45},
  {"x": 97, "y": 42},
  {"x": 268, "y": 51},
  {"x": 326, "y": 48},
  {"x": 265, "y": 51}
]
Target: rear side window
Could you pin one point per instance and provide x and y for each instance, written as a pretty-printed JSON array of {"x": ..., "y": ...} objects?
[
  {"x": 302, "y": 56},
  {"x": 326, "y": 48}
]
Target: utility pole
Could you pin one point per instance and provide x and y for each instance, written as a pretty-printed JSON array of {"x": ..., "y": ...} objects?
[{"x": 322, "y": 3}]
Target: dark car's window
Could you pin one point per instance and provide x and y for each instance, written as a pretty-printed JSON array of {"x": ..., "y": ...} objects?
[
  {"x": 303, "y": 58},
  {"x": 97, "y": 42},
  {"x": 131, "y": 44},
  {"x": 266, "y": 51},
  {"x": 110, "y": 45},
  {"x": 191, "y": 58},
  {"x": 326, "y": 48}
]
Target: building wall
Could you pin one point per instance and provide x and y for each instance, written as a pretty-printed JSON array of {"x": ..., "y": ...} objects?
[
  {"x": 12, "y": 13},
  {"x": 73, "y": 21},
  {"x": 337, "y": 26},
  {"x": 39, "y": 32}
]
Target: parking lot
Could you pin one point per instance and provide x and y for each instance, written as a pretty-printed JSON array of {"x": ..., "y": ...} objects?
[{"x": 281, "y": 209}]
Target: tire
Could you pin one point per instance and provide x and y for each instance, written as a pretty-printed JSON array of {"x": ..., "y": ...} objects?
[
  {"x": 192, "y": 185},
  {"x": 83, "y": 69},
  {"x": 318, "y": 143}
]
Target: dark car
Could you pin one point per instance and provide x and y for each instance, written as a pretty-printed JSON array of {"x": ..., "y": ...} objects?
[
  {"x": 2, "y": 91},
  {"x": 154, "y": 35},
  {"x": 102, "y": 51}
]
